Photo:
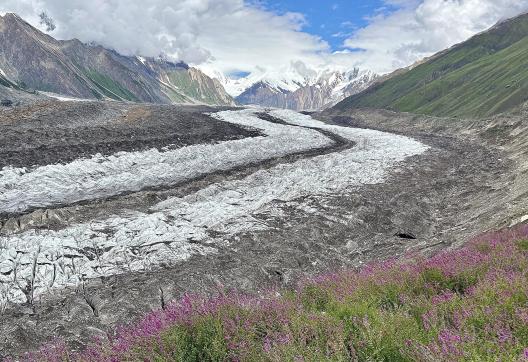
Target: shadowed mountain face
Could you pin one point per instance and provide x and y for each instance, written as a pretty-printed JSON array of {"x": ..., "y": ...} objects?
[
  {"x": 483, "y": 76},
  {"x": 11, "y": 94},
  {"x": 323, "y": 92},
  {"x": 30, "y": 59}
]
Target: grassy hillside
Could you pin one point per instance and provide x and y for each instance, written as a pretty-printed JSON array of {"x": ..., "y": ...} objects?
[
  {"x": 464, "y": 305},
  {"x": 195, "y": 87},
  {"x": 109, "y": 87},
  {"x": 483, "y": 76}
]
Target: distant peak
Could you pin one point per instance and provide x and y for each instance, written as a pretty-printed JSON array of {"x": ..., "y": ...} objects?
[
  {"x": 11, "y": 16},
  {"x": 261, "y": 84},
  {"x": 14, "y": 20}
]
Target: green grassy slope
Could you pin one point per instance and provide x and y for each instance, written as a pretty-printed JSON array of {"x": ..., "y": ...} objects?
[
  {"x": 110, "y": 87},
  {"x": 485, "y": 75},
  {"x": 202, "y": 90}
]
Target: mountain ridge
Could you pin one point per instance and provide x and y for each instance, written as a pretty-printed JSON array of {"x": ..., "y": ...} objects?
[
  {"x": 31, "y": 59},
  {"x": 318, "y": 92},
  {"x": 481, "y": 77}
]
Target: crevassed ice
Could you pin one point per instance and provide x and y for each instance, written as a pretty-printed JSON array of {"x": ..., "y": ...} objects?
[
  {"x": 103, "y": 176},
  {"x": 142, "y": 240}
]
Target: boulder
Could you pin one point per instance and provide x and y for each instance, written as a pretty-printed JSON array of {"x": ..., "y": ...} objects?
[{"x": 6, "y": 103}]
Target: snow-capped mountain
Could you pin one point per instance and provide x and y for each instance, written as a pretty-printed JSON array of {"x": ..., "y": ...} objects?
[
  {"x": 289, "y": 78},
  {"x": 297, "y": 87},
  {"x": 327, "y": 89}
]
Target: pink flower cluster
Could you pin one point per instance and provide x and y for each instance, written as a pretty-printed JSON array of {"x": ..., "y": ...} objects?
[{"x": 462, "y": 304}]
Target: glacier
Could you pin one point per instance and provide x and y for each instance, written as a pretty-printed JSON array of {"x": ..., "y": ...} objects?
[
  {"x": 22, "y": 189},
  {"x": 176, "y": 228}
]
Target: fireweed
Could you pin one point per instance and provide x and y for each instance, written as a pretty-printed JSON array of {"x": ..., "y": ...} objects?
[{"x": 469, "y": 304}]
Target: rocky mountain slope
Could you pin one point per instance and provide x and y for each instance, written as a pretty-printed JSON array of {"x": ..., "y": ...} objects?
[
  {"x": 483, "y": 76},
  {"x": 11, "y": 94},
  {"x": 315, "y": 93},
  {"x": 31, "y": 59}
]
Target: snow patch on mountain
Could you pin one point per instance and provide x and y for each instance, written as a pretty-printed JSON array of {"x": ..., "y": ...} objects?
[
  {"x": 295, "y": 76},
  {"x": 64, "y": 98}
]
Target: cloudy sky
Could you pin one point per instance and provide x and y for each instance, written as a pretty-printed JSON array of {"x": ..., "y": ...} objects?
[{"x": 238, "y": 37}]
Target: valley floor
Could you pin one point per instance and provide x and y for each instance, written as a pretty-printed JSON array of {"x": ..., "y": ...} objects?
[{"x": 105, "y": 220}]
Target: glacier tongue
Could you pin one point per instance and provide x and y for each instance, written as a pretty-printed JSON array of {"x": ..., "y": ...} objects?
[
  {"x": 178, "y": 227},
  {"x": 99, "y": 177}
]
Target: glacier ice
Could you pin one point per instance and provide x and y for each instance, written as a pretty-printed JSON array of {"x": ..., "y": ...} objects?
[{"x": 179, "y": 227}]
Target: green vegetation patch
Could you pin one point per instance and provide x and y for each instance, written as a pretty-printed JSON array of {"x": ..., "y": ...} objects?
[
  {"x": 469, "y": 304},
  {"x": 191, "y": 88},
  {"x": 484, "y": 76},
  {"x": 109, "y": 87}
]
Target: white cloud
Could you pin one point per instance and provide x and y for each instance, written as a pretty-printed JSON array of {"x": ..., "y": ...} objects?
[
  {"x": 230, "y": 33},
  {"x": 130, "y": 27},
  {"x": 422, "y": 28},
  {"x": 234, "y": 36}
]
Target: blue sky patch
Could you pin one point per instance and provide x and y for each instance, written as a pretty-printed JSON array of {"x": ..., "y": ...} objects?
[{"x": 333, "y": 21}]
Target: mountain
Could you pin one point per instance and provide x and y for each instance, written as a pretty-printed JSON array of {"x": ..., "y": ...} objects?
[
  {"x": 318, "y": 92},
  {"x": 12, "y": 94},
  {"x": 484, "y": 76},
  {"x": 33, "y": 60}
]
